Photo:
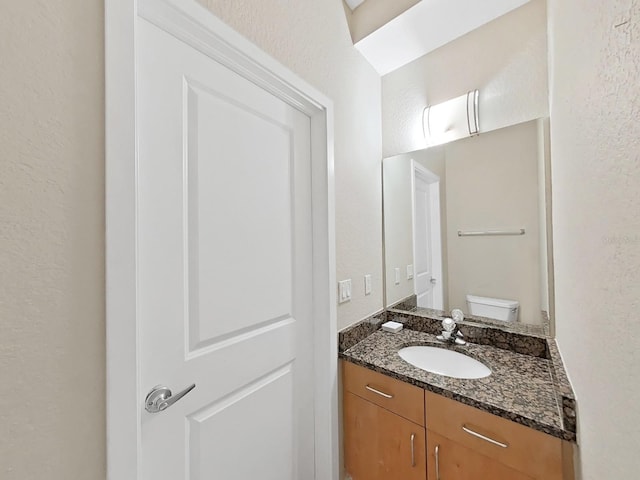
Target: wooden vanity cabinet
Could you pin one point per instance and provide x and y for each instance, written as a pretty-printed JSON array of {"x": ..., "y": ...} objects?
[
  {"x": 397, "y": 431},
  {"x": 383, "y": 421},
  {"x": 467, "y": 443}
]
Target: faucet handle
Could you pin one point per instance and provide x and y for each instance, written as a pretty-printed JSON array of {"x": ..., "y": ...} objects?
[
  {"x": 457, "y": 315},
  {"x": 448, "y": 324}
]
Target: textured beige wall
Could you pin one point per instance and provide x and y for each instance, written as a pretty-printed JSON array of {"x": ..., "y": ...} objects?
[
  {"x": 505, "y": 59},
  {"x": 312, "y": 39},
  {"x": 52, "y": 353},
  {"x": 595, "y": 148},
  {"x": 492, "y": 183}
]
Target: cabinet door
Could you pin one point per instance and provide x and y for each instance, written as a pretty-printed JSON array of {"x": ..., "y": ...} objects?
[
  {"x": 451, "y": 461},
  {"x": 380, "y": 445},
  {"x": 525, "y": 450}
]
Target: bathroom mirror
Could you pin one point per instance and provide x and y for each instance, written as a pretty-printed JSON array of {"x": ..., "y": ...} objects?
[{"x": 467, "y": 225}]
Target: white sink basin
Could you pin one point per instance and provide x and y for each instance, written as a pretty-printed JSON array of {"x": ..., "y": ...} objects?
[{"x": 444, "y": 362}]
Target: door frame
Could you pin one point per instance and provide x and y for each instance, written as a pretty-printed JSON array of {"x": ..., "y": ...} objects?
[
  {"x": 192, "y": 23},
  {"x": 418, "y": 170}
]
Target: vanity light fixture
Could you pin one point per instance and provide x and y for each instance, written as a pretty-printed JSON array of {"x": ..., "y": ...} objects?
[{"x": 451, "y": 120}]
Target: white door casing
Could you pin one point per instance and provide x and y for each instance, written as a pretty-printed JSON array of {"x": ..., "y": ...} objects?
[
  {"x": 427, "y": 239},
  {"x": 265, "y": 370}
]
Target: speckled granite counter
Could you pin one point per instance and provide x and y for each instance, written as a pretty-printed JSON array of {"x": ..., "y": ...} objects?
[{"x": 523, "y": 388}]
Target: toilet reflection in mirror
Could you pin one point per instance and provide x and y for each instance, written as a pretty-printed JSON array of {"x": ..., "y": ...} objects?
[{"x": 467, "y": 225}]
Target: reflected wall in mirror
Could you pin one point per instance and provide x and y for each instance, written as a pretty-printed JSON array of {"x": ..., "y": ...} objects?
[{"x": 467, "y": 225}]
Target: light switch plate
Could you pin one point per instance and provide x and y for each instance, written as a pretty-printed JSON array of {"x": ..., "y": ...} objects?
[
  {"x": 397, "y": 272},
  {"x": 367, "y": 284},
  {"x": 409, "y": 272},
  {"x": 344, "y": 291}
]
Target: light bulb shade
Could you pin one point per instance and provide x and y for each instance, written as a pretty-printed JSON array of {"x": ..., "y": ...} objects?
[{"x": 451, "y": 120}]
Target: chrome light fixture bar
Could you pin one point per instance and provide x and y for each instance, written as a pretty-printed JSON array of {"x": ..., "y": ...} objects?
[{"x": 453, "y": 119}]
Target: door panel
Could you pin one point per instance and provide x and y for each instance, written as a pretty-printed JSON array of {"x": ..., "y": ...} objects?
[
  {"x": 218, "y": 426},
  {"x": 224, "y": 271},
  {"x": 250, "y": 200}
]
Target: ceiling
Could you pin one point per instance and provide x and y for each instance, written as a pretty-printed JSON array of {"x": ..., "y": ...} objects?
[
  {"x": 426, "y": 26},
  {"x": 353, "y": 4}
]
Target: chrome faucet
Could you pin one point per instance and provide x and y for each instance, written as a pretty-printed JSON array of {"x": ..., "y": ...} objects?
[{"x": 451, "y": 332}]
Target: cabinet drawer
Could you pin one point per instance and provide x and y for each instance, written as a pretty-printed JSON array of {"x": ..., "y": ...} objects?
[
  {"x": 399, "y": 397},
  {"x": 512, "y": 444}
]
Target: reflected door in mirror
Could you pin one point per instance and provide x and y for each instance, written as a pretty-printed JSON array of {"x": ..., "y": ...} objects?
[{"x": 426, "y": 242}]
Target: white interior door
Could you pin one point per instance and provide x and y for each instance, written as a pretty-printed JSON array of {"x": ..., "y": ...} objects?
[
  {"x": 224, "y": 270},
  {"x": 427, "y": 243}
]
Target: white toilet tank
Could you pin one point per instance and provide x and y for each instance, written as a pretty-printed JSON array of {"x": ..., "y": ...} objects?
[{"x": 496, "y": 308}]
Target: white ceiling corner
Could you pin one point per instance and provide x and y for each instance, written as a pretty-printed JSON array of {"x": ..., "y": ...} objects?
[
  {"x": 353, "y": 4},
  {"x": 426, "y": 26}
]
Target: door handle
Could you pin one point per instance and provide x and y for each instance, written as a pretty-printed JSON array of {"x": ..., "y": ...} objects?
[
  {"x": 160, "y": 398},
  {"x": 433, "y": 281}
]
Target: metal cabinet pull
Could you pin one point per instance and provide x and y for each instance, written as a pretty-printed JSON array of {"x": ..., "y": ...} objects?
[
  {"x": 371, "y": 389},
  {"x": 160, "y": 398},
  {"x": 486, "y": 439},
  {"x": 413, "y": 450},
  {"x": 437, "y": 462}
]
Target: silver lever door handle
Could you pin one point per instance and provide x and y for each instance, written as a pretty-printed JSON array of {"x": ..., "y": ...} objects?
[{"x": 160, "y": 398}]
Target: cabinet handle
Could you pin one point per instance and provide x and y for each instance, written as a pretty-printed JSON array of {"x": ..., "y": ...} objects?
[
  {"x": 413, "y": 450},
  {"x": 437, "y": 462},
  {"x": 486, "y": 439},
  {"x": 371, "y": 389}
]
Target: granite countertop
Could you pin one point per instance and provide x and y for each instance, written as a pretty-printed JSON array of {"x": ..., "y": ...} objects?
[{"x": 521, "y": 388}]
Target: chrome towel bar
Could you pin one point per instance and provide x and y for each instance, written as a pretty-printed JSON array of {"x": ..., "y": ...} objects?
[{"x": 519, "y": 231}]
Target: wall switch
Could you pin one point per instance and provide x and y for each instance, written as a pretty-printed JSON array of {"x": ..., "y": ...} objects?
[
  {"x": 409, "y": 272},
  {"x": 397, "y": 271},
  {"x": 344, "y": 291},
  {"x": 367, "y": 284}
]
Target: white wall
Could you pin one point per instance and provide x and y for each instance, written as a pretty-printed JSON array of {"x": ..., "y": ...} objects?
[
  {"x": 312, "y": 38},
  {"x": 505, "y": 59},
  {"x": 595, "y": 135}
]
